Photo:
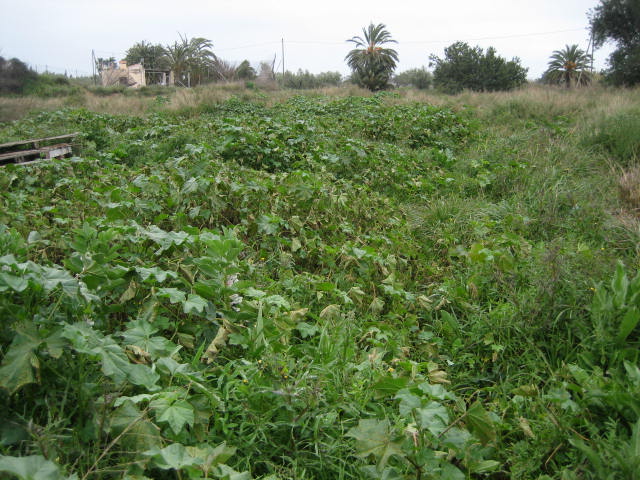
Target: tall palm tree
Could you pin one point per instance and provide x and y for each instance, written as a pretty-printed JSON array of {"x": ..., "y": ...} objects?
[
  {"x": 569, "y": 66},
  {"x": 190, "y": 56},
  {"x": 371, "y": 63}
]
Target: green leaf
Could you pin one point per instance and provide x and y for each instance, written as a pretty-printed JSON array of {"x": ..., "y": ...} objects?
[
  {"x": 388, "y": 473},
  {"x": 164, "y": 239},
  {"x": 436, "y": 391},
  {"x": 177, "y": 414},
  {"x": 390, "y": 385},
  {"x": 434, "y": 417},
  {"x": 451, "y": 472},
  {"x": 627, "y": 324},
  {"x": 115, "y": 363},
  {"x": 140, "y": 433},
  {"x": 212, "y": 456},
  {"x": 155, "y": 272},
  {"x": 480, "y": 423},
  {"x": 483, "y": 466},
  {"x": 20, "y": 361},
  {"x": 225, "y": 472},
  {"x": 619, "y": 285},
  {"x": 633, "y": 372},
  {"x": 194, "y": 303},
  {"x": 17, "y": 284},
  {"x": 33, "y": 467},
  {"x": 269, "y": 224},
  {"x": 52, "y": 277},
  {"x": 306, "y": 329},
  {"x": 141, "y": 335},
  {"x": 408, "y": 401},
  {"x": 173, "y": 294},
  {"x": 174, "y": 456},
  {"x": 374, "y": 437},
  {"x": 634, "y": 444}
]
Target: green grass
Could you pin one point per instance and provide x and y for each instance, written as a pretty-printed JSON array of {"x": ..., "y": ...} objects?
[{"x": 282, "y": 286}]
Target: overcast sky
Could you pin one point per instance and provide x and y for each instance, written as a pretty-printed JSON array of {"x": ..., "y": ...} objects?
[{"x": 60, "y": 34}]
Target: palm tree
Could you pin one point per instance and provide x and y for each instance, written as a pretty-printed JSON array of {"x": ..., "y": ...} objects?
[
  {"x": 190, "y": 56},
  {"x": 372, "y": 64},
  {"x": 569, "y": 66}
]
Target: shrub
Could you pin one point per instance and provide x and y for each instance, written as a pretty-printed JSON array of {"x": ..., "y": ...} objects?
[
  {"x": 418, "y": 78},
  {"x": 305, "y": 80},
  {"x": 464, "y": 67},
  {"x": 50, "y": 85}
]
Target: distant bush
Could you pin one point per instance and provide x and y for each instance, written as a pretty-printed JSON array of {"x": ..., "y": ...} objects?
[
  {"x": 14, "y": 76},
  {"x": 50, "y": 85},
  {"x": 306, "y": 80},
  {"x": 418, "y": 78},
  {"x": 107, "y": 91},
  {"x": 464, "y": 67}
]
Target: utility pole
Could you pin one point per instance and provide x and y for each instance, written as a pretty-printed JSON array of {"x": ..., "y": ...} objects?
[
  {"x": 283, "y": 59},
  {"x": 93, "y": 67},
  {"x": 593, "y": 44}
]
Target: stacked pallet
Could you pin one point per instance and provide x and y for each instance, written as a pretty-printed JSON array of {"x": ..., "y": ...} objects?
[{"x": 37, "y": 149}]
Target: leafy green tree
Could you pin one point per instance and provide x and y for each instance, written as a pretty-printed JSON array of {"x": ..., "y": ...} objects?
[
  {"x": 464, "y": 67},
  {"x": 569, "y": 67},
  {"x": 619, "y": 21},
  {"x": 371, "y": 63},
  {"x": 245, "y": 71},
  {"x": 151, "y": 56},
  {"x": 418, "y": 78},
  {"x": 15, "y": 75}
]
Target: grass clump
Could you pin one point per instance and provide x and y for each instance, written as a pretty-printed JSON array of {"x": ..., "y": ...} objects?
[{"x": 617, "y": 135}]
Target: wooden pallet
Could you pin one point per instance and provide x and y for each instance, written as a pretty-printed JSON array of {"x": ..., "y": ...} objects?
[{"x": 36, "y": 149}]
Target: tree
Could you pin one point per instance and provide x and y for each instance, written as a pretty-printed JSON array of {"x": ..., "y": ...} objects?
[
  {"x": 568, "y": 67},
  {"x": 466, "y": 67},
  {"x": 619, "y": 21},
  {"x": 418, "y": 78},
  {"x": 192, "y": 60},
  {"x": 370, "y": 62},
  {"x": 245, "y": 71},
  {"x": 149, "y": 55},
  {"x": 15, "y": 75}
]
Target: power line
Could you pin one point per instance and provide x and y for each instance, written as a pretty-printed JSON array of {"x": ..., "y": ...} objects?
[
  {"x": 264, "y": 44},
  {"x": 517, "y": 35},
  {"x": 325, "y": 42}
]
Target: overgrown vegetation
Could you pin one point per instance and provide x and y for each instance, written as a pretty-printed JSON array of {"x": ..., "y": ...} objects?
[{"x": 323, "y": 287}]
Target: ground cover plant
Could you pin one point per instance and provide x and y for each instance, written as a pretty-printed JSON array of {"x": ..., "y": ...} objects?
[{"x": 320, "y": 286}]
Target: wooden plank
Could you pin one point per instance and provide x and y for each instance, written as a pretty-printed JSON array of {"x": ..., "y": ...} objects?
[
  {"x": 24, "y": 156},
  {"x": 57, "y": 151},
  {"x": 22, "y": 153},
  {"x": 38, "y": 140}
]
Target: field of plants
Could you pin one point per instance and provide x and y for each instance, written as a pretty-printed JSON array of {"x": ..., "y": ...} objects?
[{"x": 387, "y": 286}]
